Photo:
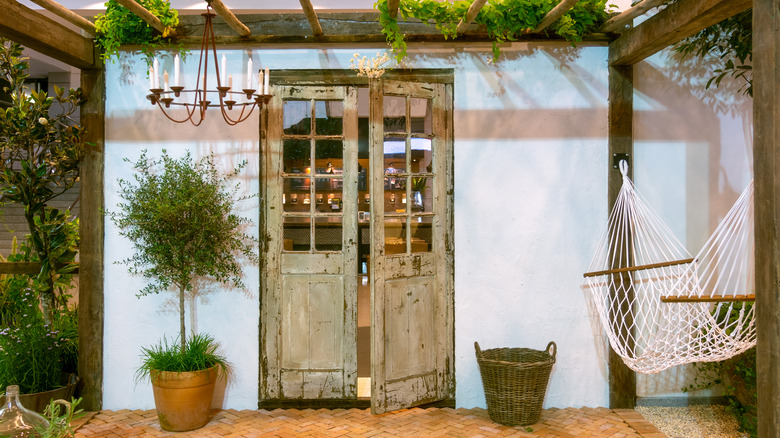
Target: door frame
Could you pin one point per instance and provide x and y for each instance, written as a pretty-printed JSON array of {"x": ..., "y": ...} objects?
[{"x": 343, "y": 77}]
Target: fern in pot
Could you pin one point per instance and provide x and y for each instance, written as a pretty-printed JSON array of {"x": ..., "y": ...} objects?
[{"x": 178, "y": 213}]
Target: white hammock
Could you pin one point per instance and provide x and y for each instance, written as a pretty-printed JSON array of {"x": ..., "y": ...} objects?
[{"x": 659, "y": 306}]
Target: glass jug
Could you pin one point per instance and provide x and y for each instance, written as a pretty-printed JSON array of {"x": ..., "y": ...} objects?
[{"x": 15, "y": 420}]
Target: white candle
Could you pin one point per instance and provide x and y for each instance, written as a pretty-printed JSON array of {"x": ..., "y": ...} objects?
[
  {"x": 176, "y": 70},
  {"x": 151, "y": 77},
  {"x": 165, "y": 78},
  {"x": 230, "y": 81},
  {"x": 156, "y": 67},
  {"x": 260, "y": 83},
  {"x": 224, "y": 70},
  {"x": 249, "y": 74},
  {"x": 265, "y": 81}
]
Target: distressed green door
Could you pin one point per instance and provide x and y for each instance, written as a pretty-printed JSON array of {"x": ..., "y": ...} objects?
[
  {"x": 411, "y": 256},
  {"x": 308, "y": 316}
]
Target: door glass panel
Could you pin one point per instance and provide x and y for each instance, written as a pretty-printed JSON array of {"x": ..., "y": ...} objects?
[
  {"x": 421, "y": 233},
  {"x": 297, "y": 117},
  {"x": 329, "y": 117},
  {"x": 328, "y": 195},
  {"x": 421, "y": 116},
  {"x": 328, "y": 233},
  {"x": 293, "y": 196},
  {"x": 394, "y": 108},
  {"x": 395, "y": 154},
  {"x": 421, "y": 194},
  {"x": 395, "y": 235},
  {"x": 297, "y": 234},
  {"x": 297, "y": 156},
  {"x": 422, "y": 155},
  {"x": 329, "y": 156},
  {"x": 395, "y": 195}
]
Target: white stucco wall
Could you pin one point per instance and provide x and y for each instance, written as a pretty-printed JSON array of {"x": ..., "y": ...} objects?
[{"x": 530, "y": 205}]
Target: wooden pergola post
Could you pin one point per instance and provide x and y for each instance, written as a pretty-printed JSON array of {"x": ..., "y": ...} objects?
[
  {"x": 766, "y": 165},
  {"x": 91, "y": 249},
  {"x": 622, "y": 380}
]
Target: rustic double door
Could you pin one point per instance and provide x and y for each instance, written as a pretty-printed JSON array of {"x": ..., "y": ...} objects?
[{"x": 357, "y": 192}]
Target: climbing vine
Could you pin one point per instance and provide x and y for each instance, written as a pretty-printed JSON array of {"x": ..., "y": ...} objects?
[
  {"x": 505, "y": 20},
  {"x": 118, "y": 26}
]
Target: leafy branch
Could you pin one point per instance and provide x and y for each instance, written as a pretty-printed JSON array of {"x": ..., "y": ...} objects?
[
  {"x": 731, "y": 41},
  {"x": 118, "y": 26},
  {"x": 505, "y": 20}
]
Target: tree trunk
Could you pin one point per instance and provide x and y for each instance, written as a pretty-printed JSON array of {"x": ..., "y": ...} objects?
[{"x": 182, "y": 329}]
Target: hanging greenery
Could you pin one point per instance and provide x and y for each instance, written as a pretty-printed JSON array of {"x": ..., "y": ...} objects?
[
  {"x": 119, "y": 26},
  {"x": 731, "y": 40},
  {"x": 505, "y": 20}
]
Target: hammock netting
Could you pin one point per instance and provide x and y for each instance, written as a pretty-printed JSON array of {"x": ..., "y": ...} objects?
[{"x": 706, "y": 313}]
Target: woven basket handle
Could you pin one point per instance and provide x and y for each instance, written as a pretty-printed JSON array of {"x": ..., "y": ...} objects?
[
  {"x": 554, "y": 350},
  {"x": 476, "y": 347}
]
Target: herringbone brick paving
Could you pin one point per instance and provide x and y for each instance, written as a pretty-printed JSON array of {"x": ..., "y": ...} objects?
[{"x": 416, "y": 422}]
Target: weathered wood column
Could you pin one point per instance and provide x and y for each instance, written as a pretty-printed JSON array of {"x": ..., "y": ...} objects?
[
  {"x": 766, "y": 159},
  {"x": 622, "y": 380},
  {"x": 91, "y": 248}
]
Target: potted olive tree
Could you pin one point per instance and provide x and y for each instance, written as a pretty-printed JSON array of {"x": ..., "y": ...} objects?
[{"x": 179, "y": 215}]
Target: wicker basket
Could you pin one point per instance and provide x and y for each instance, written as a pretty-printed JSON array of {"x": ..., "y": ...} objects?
[{"x": 515, "y": 381}]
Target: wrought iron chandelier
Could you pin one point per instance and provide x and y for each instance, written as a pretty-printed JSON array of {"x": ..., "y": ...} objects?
[{"x": 235, "y": 106}]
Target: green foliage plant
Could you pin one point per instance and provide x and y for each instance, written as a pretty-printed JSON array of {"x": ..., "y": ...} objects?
[
  {"x": 200, "y": 354},
  {"x": 40, "y": 152},
  {"x": 60, "y": 415},
  {"x": 31, "y": 351},
  {"x": 179, "y": 216},
  {"x": 738, "y": 374},
  {"x": 505, "y": 20},
  {"x": 119, "y": 26},
  {"x": 731, "y": 41}
]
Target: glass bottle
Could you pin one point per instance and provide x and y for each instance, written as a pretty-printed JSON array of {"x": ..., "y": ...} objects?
[{"x": 15, "y": 420}]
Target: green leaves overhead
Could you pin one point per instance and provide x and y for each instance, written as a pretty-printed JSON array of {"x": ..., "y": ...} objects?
[
  {"x": 504, "y": 20},
  {"x": 118, "y": 26},
  {"x": 731, "y": 41}
]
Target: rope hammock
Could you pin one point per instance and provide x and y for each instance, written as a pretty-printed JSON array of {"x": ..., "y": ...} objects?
[{"x": 661, "y": 307}]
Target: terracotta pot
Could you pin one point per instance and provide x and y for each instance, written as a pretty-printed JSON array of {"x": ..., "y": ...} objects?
[
  {"x": 183, "y": 400},
  {"x": 38, "y": 401}
]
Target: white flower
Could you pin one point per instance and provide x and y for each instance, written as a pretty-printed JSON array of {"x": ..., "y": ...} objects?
[{"x": 43, "y": 121}]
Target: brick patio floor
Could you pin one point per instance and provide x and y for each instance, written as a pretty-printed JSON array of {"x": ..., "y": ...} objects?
[{"x": 433, "y": 422}]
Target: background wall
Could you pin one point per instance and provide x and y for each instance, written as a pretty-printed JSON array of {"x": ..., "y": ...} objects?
[{"x": 530, "y": 205}]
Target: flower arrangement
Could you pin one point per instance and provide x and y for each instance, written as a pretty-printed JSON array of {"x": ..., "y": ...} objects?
[{"x": 371, "y": 67}]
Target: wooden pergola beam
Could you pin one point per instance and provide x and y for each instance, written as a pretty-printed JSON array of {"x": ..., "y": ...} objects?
[
  {"x": 65, "y": 13},
  {"x": 679, "y": 20},
  {"x": 145, "y": 15},
  {"x": 554, "y": 14},
  {"x": 392, "y": 8},
  {"x": 618, "y": 22},
  {"x": 766, "y": 162},
  {"x": 470, "y": 15},
  {"x": 311, "y": 15},
  {"x": 622, "y": 380},
  {"x": 42, "y": 34},
  {"x": 230, "y": 18}
]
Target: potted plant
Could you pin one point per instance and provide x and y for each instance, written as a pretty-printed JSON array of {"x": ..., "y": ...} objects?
[
  {"x": 179, "y": 216},
  {"x": 40, "y": 152}
]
